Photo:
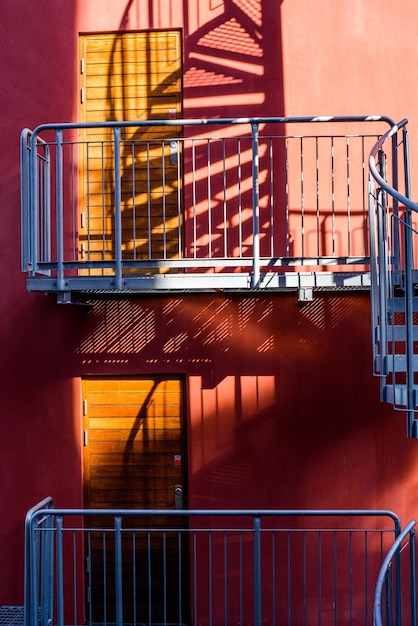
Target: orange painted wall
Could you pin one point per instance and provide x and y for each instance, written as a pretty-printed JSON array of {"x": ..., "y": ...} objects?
[{"x": 282, "y": 408}]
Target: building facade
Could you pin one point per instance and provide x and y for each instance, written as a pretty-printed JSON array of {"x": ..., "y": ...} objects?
[{"x": 246, "y": 400}]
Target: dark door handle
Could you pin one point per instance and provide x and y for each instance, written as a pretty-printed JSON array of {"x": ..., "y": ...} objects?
[{"x": 178, "y": 497}]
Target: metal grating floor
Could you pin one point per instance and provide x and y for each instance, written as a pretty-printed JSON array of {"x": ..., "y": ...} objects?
[{"x": 12, "y": 615}]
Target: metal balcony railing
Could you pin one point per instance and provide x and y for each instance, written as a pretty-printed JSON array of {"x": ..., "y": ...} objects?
[
  {"x": 263, "y": 203},
  {"x": 203, "y": 567}
]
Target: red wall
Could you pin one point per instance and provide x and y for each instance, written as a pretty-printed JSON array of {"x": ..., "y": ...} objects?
[{"x": 282, "y": 408}]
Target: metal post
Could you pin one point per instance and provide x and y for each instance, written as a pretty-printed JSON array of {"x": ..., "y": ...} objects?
[
  {"x": 33, "y": 208},
  {"x": 409, "y": 295},
  {"x": 382, "y": 255},
  {"x": 118, "y": 570},
  {"x": 60, "y": 210},
  {"x": 31, "y": 598},
  {"x": 413, "y": 578},
  {"x": 118, "y": 216},
  {"x": 395, "y": 184},
  {"x": 257, "y": 571},
  {"x": 47, "y": 571},
  {"x": 256, "y": 208},
  {"x": 60, "y": 572}
]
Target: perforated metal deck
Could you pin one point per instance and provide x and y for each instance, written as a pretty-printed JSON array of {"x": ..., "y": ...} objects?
[{"x": 12, "y": 615}]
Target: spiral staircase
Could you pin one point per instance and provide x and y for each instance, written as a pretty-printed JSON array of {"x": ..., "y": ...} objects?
[{"x": 394, "y": 274}]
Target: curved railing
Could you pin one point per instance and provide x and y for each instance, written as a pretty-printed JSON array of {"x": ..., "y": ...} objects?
[
  {"x": 393, "y": 271},
  {"x": 389, "y": 591}
]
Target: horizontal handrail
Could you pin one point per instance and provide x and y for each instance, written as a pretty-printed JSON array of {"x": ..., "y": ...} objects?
[
  {"x": 219, "y": 122},
  {"x": 40, "y": 511}
]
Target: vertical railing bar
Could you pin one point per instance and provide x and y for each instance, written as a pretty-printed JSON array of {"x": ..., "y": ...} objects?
[
  {"x": 134, "y": 577},
  {"x": 164, "y": 207},
  {"x": 118, "y": 215},
  {"x": 209, "y": 200},
  {"x": 149, "y": 202},
  {"x": 319, "y": 578},
  {"x": 164, "y": 538},
  {"x": 24, "y": 198},
  {"x": 60, "y": 571},
  {"x": 273, "y": 579},
  {"x": 180, "y": 575},
  {"x": 335, "y": 578},
  {"x": 333, "y": 195},
  {"x": 89, "y": 578},
  {"x": 149, "y": 580},
  {"x": 74, "y": 229},
  {"x": 225, "y": 550},
  {"x": 366, "y": 250},
  {"x": 317, "y": 198},
  {"x": 413, "y": 578},
  {"x": 104, "y": 578},
  {"x": 350, "y": 576},
  {"x": 224, "y": 180},
  {"x": 45, "y": 203},
  {"x": 395, "y": 205},
  {"x": 347, "y": 140},
  {"x": 46, "y": 569},
  {"x": 75, "y": 576},
  {"x": 194, "y": 578},
  {"x": 44, "y": 244},
  {"x": 257, "y": 571},
  {"x": 86, "y": 192},
  {"x": 409, "y": 295},
  {"x": 210, "y": 586},
  {"x": 388, "y": 603},
  {"x": 366, "y": 575},
  {"x": 47, "y": 197},
  {"x": 304, "y": 578},
  {"x": 240, "y": 234},
  {"x": 241, "y": 605},
  {"x": 59, "y": 210},
  {"x": 103, "y": 215},
  {"x": 271, "y": 202},
  {"x": 374, "y": 280},
  {"x": 118, "y": 570},
  {"x": 381, "y": 274},
  {"x": 302, "y": 198},
  {"x": 179, "y": 202},
  {"x": 32, "y": 586},
  {"x": 134, "y": 253},
  {"x": 193, "y": 167},
  {"x": 289, "y": 569},
  {"x": 287, "y": 208},
  {"x": 255, "y": 206}
]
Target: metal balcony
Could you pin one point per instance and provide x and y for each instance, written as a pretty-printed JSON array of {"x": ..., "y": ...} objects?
[{"x": 183, "y": 205}]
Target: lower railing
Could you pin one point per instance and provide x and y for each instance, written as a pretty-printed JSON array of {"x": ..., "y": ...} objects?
[{"x": 203, "y": 567}]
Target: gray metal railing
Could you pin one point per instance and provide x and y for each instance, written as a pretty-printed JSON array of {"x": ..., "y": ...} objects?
[
  {"x": 220, "y": 203},
  {"x": 394, "y": 265},
  {"x": 203, "y": 567},
  {"x": 395, "y": 601}
]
